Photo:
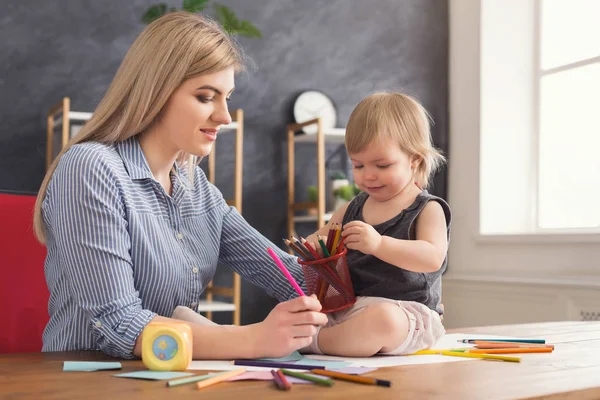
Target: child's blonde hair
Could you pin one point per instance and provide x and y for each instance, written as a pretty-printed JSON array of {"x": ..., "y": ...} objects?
[
  {"x": 176, "y": 47},
  {"x": 401, "y": 118}
]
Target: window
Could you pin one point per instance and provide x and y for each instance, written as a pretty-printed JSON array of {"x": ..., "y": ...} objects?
[
  {"x": 540, "y": 117},
  {"x": 569, "y": 107}
]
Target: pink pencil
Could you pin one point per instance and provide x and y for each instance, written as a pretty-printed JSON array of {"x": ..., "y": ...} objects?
[{"x": 287, "y": 274}]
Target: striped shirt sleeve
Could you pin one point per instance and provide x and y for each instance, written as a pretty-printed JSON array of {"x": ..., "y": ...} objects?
[
  {"x": 244, "y": 250},
  {"x": 90, "y": 234}
]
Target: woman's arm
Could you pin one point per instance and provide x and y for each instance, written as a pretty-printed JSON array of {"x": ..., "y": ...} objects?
[
  {"x": 244, "y": 250},
  {"x": 290, "y": 326}
]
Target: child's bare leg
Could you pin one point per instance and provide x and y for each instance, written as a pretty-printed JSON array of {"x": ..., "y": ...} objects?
[{"x": 378, "y": 328}]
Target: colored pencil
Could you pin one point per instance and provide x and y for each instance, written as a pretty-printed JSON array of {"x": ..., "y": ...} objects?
[
  {"x": 469, "y": 355},
  {"x": 280, "y": 380},
  {"x": 324, "y": 283},
  {"x": 274, "y": 364},
  {"x": 330, "y": 266},
  {"x": 288, "y": 244},
  {"x": 336, "y": 240},
  {"x": 351, "y": 378},
  {"x": 333, "y": 278},
  {"x": 323, "y": 247},
  {"x": 303, "y": 248},
  {"x": 220, "y": 378},
  {"x": 511, "y": 351},
  {"x": 539, "y": 341},
  {"x": 191, "y": 379},
  {"x": 299, "y": 252},
  {"x": 330, "y": 236},
  {"x": 340, "y": 245},
  {"x": 286, "y": 273},
  {"x": 318, "y": 381},
  {"x": 504, "y": 345},
  {"x": 310, "y": 248}
]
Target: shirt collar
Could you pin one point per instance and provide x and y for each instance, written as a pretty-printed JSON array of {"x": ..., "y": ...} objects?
[{"x": 134, "y": 159}]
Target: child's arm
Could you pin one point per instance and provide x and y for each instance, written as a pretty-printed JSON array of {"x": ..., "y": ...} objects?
[
  {"x": 336, "y": 218},
  {"x": 425, "y": 254}
]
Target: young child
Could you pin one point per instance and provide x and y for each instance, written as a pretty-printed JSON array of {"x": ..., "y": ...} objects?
[{"x": 396, "y": 233}]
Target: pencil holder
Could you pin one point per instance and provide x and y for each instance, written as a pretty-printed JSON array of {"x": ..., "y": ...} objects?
[
  {"x": 167, "y": 346},
  {"x": 329, "y": 279}
]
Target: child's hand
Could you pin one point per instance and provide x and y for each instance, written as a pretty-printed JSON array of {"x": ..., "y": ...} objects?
[
  {"x": 314, "y": 242},
  {"x": 362, "y": 237}
]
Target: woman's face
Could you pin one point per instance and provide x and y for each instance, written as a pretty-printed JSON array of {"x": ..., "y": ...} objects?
[{"x": 196, "y": 111}]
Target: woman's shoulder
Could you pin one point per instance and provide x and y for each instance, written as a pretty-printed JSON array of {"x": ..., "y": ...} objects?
[
  {"x": 89, "y": 151},
  {"x": 89, "y": 160}
]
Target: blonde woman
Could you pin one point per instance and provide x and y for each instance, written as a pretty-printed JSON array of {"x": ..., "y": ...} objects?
[
  {"x": 133, "y": 228},
  {"x": 396, "y": 233}
]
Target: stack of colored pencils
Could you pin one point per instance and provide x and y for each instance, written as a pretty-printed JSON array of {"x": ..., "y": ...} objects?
[
  {"x": 327, "y": 269},
  {"x": 494, "y": 349}
]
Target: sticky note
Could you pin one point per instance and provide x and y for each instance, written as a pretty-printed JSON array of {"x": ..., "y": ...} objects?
[
  {"x": 70, "y": 366},
  {"x": 153, "y": 375}
]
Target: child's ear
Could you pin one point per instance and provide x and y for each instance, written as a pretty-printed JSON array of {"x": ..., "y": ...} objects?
[{"x": 415, "y": 161}]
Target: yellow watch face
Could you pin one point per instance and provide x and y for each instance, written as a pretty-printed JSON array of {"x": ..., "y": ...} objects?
[{"x": 165, "y": 347}]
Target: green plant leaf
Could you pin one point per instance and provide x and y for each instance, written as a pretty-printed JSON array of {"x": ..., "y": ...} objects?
[
  {"x": 248, "y": 29},
  {"x": 154, "y": 12},
  {"x": 312, "y": 193},
  {"x": 227, "y": 18},
  {"x": 345, "y": 192},
  {"x": 194, "y": 6}
]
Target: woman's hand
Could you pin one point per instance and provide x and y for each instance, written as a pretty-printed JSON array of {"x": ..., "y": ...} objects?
[
  {"x": 288, "y": 327},
  {"x": 361, "y": 236}
]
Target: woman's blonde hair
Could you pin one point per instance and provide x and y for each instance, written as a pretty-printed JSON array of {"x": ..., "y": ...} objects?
[
  {"x": 172, "y": 49},
  {"x": 398, "y": 117}
]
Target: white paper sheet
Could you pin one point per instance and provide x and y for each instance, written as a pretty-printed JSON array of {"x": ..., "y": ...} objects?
[{"x": 448, "y": 341}]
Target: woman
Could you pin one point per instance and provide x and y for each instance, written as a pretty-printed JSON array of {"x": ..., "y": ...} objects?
[{"x": 134, "y": 229}]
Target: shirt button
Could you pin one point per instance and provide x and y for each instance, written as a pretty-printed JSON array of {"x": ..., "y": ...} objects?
[
  {"x": 179, "y": 235},
  {"x": 195, "y": 270},
  {"x": 98, "y": 324},
  {"x": 194, "y": 305}
]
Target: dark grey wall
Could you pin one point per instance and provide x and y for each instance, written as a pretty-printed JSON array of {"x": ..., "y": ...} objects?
[{"x": 345, "y": 48}]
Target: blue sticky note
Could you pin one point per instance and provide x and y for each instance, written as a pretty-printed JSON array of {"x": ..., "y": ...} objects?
[
  {"x": 324, "y": 363},
  {"x": 153, "y": 375},
  {"x": 70, "y": 366},
  {"x": 295, "y": 356}
]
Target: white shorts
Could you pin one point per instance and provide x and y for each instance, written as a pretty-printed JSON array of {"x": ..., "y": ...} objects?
[{"x": 424, "y": 330}]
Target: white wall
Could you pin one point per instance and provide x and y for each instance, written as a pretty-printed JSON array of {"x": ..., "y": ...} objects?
[{"x": 501, "y": 278}]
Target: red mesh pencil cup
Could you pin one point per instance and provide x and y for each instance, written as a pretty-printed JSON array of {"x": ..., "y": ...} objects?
[{"x": 329, "y": 279}]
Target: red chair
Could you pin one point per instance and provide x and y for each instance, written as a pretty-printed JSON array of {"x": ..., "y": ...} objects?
[{"x": 23, "y": 291}]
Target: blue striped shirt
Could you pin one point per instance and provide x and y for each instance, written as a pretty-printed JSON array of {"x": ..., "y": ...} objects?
[{"x": 121, "y": 250}]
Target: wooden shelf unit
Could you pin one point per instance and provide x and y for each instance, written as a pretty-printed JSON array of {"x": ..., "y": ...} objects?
[{"x": 322, "y": 136}]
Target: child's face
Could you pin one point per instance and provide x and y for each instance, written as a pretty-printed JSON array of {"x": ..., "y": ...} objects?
[
  {"x": 196, "y": 110},
  {"x": 382, "y": 170}
]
